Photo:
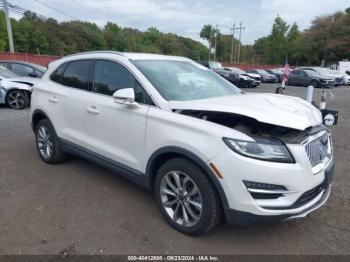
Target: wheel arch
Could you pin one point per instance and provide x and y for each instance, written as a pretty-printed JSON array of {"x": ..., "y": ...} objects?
[
  {"x": 166, "y": 153},
  {"x": 8, "y": 90},
  {"x": 37, "y": 116}
]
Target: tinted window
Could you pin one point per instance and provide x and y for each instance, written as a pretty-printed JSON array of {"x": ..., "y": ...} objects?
[
  {"x": 3, "y": 64},
  {"x": 110, "y": 77},
  {"x": 57, "y": 74},
  {"x": 78, "y": 74},
  {"x": 39, "y": 73},
  {"x": 22, "y": 70},
  {"x": 5, "y": 73}
]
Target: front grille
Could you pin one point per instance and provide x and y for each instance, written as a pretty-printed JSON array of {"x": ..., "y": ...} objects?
[
  {"x": 308, "y": 196},
  {"x": 339, "y": 80},
  {"x": 304, "y": 198},
  {"x": 318, "y": 149}
]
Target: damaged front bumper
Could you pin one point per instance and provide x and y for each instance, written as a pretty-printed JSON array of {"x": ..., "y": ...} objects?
[{"x": 236, "y": 217}]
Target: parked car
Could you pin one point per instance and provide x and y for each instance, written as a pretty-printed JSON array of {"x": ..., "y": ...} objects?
[
  {"x": 265, "y": 76},
  {"x": 23, "y": 68},
  {"x": 338, "y": 79},
  {"x": 277, "y": 73},
  {"x": 204, "y": 147},
  {"x": 219, "y": 69},
  {"x": 14, "y": 91},
  {"x": 245, "y": 79},
  {"x": 309, "y": 77}
]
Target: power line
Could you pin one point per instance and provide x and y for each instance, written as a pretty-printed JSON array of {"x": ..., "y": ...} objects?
[
  {"x": 57, "y": 10},
  {"x": 19, "y": 10}
]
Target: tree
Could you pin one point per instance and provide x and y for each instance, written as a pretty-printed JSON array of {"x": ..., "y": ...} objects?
[
  {"x": 208, "y": 33},
  {"x": 114, "y": 37}
]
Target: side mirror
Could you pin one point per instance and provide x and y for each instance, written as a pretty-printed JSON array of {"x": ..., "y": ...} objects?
[{"x": 124, "y": 96}]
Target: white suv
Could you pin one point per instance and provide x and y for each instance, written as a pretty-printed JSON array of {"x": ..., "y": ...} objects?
[{"x": 206, "y": 149}]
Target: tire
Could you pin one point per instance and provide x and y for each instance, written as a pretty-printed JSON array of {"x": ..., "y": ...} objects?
[
  {"x": 204, "y": 205},
  {"x": 47, "y": 143},
  {"x": 17, "y": 99},
  {"x": 314, "y": 83}
]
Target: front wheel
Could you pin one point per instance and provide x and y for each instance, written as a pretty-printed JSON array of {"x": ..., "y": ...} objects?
[
  {"x": 314, "y": 83},
  {"x": 186, "y": 198},
  {"x": 17, "y": 99}
]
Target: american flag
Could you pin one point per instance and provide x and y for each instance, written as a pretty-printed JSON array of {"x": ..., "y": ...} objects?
[{"x": 286, "y": 70}]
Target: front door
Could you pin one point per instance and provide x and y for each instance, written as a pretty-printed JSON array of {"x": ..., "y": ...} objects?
[{"x": 117, "y": 131}]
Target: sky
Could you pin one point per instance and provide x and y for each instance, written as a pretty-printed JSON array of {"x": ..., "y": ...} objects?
[{"x": 187, "y": 17}]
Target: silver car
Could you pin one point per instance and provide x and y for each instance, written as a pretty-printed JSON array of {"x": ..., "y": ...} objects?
[{"x": 14, "y": 90}]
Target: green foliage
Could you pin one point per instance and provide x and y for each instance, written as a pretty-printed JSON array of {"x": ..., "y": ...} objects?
[
  {"x": 34, "y": 35},
  {"x": 326, "y": 40},
  {"x": 275, "y": 47},
  {"x": 208, "y": 33}
]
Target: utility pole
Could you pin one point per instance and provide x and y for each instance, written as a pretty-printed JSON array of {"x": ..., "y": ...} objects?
[
  {"x": 240, "y": 28},
  {"x": 232, "y": 40},
  {"x": 8, "y": 25}
]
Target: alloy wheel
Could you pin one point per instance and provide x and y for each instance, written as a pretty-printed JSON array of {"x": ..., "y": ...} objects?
[
  {"x": 44, "y": 141},
  {"x": 16, "y": 99},
  {"x": 181, "y": 198}
]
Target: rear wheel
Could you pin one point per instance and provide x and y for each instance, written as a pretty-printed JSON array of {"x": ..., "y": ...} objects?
[
  {"x": 17, "y": 99},
  {"x": 47, "y": 143},
  {"x": 186, "y": 197}
]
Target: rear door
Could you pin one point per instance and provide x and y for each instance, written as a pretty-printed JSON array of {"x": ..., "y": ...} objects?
[
  {"x": 295, "y": 77},
  {"x": 304, "y": 78},
  {"x": 117, "y": 131},
  {"x": 69, "y": 99}
]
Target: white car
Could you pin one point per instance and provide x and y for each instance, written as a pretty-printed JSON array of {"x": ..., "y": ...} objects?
[
  {"x": 15, "y": 91},
  {"x": 206, "y": 149}
]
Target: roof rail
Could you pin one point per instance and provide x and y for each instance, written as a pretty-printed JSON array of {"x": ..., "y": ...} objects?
[{"x": 94, "y": 52}]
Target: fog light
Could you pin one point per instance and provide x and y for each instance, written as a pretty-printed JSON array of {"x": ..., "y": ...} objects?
[
  {"x": 265, "y": 191},
  {"x": 257, "y": 185}
]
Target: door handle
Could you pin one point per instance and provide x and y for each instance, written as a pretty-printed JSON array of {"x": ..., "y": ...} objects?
[
  {"x": 53, "y": 99},
  {"x": 93, "y": 110}
]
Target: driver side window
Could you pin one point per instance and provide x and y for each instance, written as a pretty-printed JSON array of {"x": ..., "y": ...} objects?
[{"x": 110, "y": 77}]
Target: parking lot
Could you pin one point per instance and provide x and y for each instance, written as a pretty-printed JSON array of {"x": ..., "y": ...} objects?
[{"x": 78, "y": 207}]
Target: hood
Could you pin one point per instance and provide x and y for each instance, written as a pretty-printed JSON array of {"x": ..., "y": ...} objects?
[
  {"x": 252, "y": 75},
  {"x": 245, "y": 77},
  {"x": 9, "y": 84},
  {"x": 280, "y": 110},
  {"x": 326, "y": 77},
  {"x": 25, "y": 80}
]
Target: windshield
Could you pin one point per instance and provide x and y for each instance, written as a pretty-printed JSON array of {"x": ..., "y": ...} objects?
[
  {"x": 182, "y": 80},
  {"x": 5, "y": 73},
  {"x": 312, "y": 73},
  {"x": 275, "y": 71},
  {"x": 215, "y": 65},
  {"x": 262, "y": 72},
  {"x": 237, "y": 70}
]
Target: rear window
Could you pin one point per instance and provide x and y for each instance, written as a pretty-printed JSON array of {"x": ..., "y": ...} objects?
[{"x": 78, "y": 74}]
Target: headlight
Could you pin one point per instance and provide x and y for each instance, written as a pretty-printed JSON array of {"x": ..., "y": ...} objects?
[{"x": 264, "y": 149}]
